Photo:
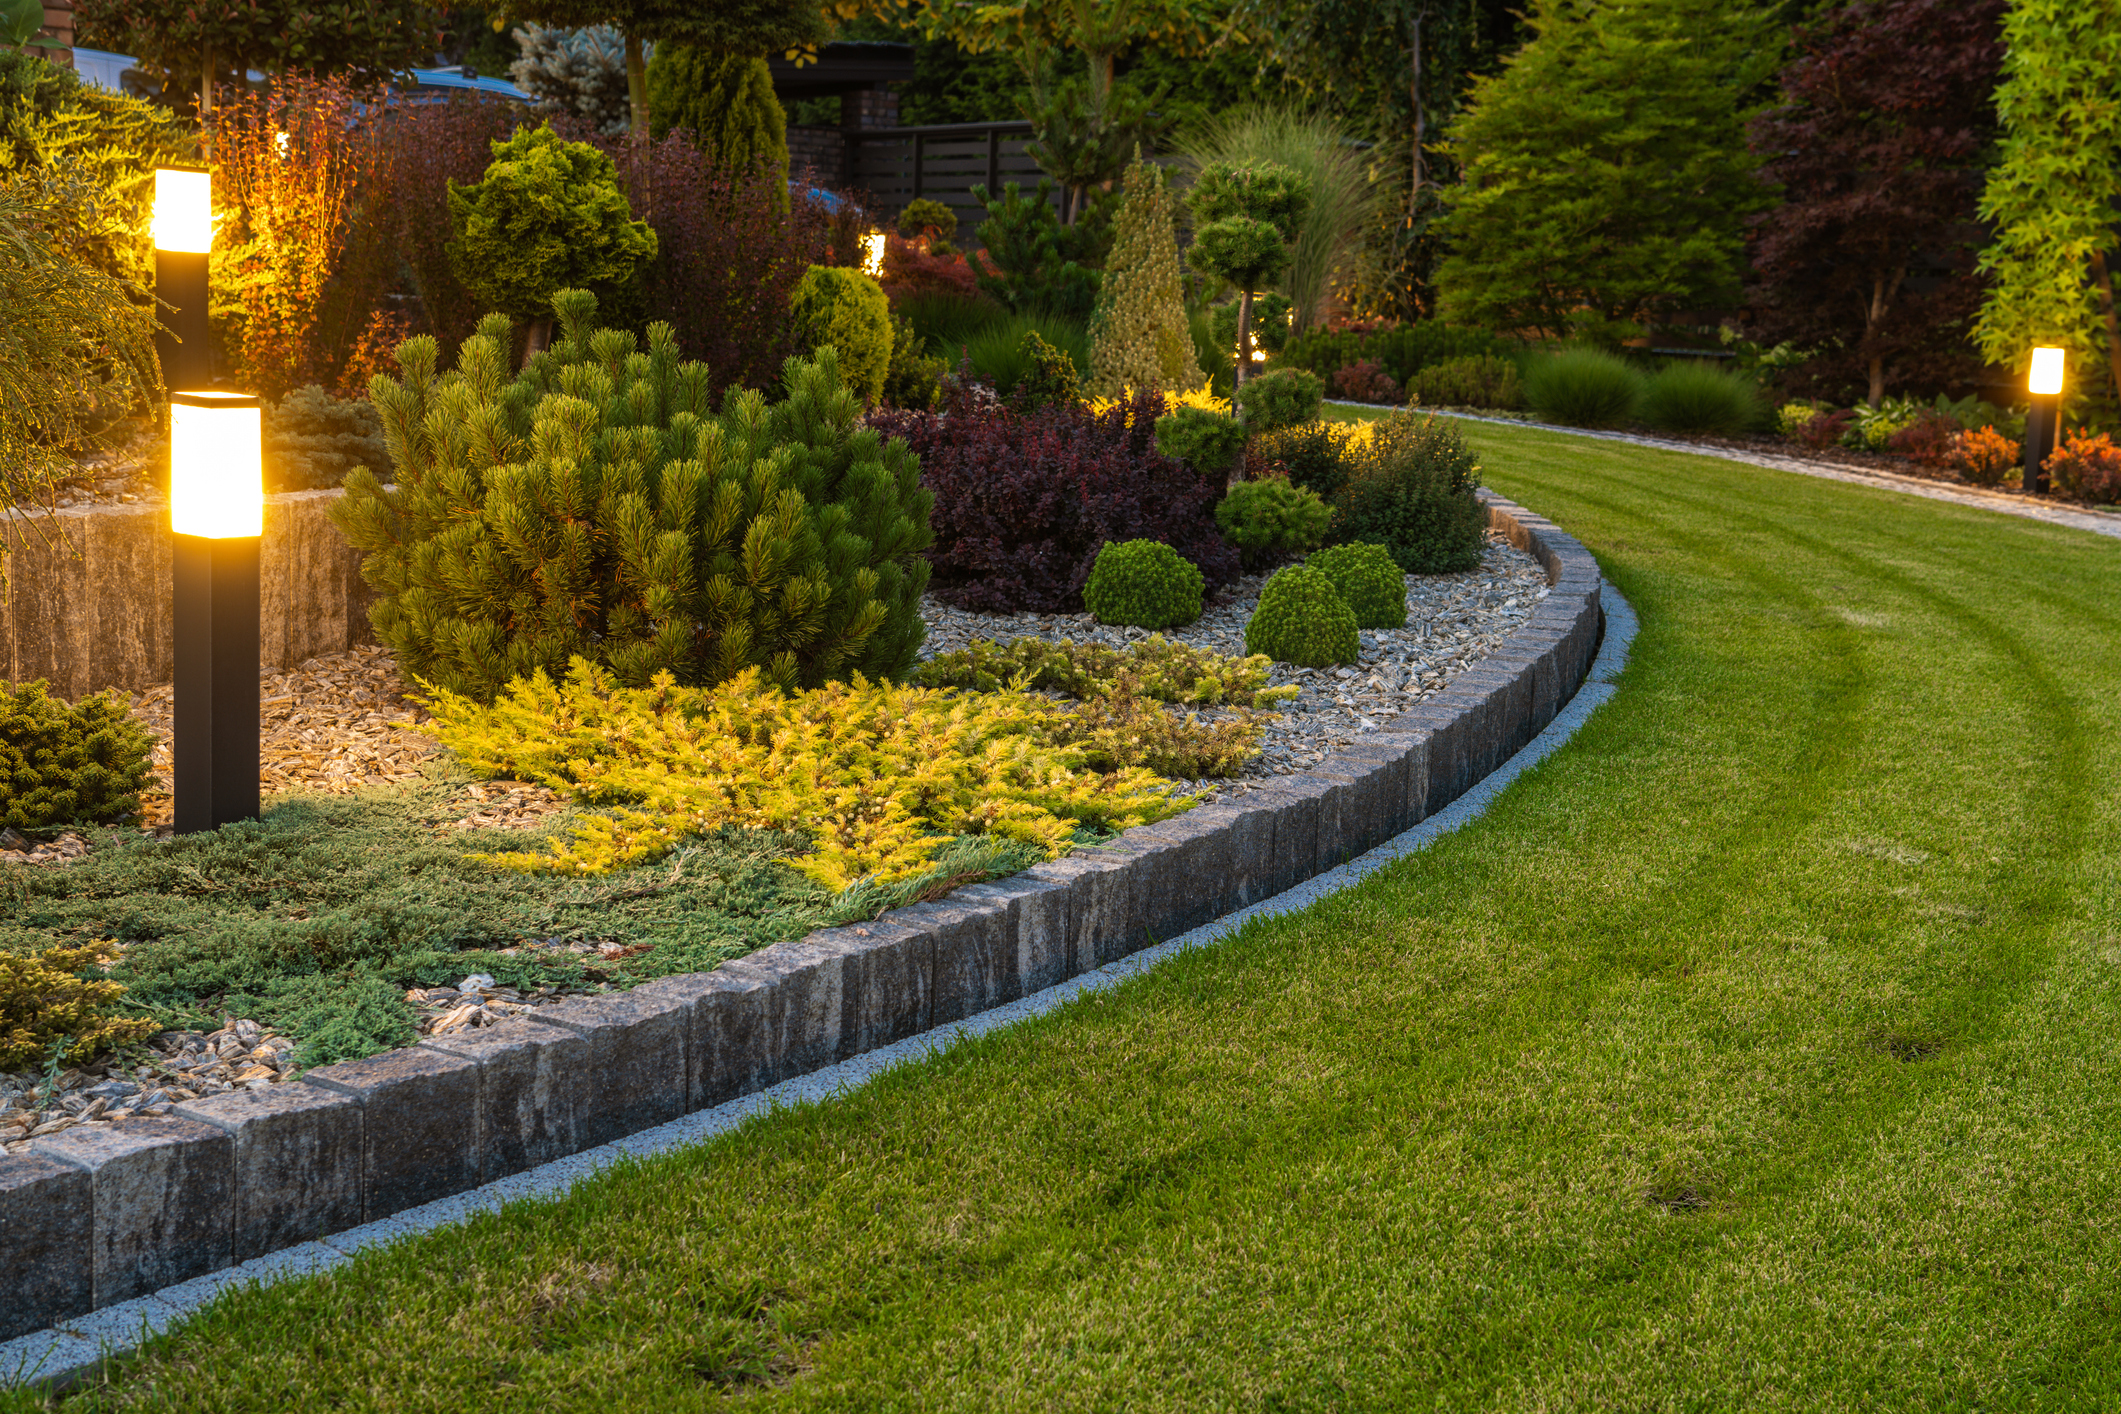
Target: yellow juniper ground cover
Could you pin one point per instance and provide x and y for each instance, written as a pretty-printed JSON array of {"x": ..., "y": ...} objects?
[{"x": 880, "y": 775}]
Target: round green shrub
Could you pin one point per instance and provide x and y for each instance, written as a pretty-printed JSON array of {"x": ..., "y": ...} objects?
[
  {"x": 1302, "y": 619},
  {"x": 1271, "y": 517},
  {"x": 61, "y": 764},
  {"x": 1411, "y": 489},
  {"x": 1287, "y": 397},
  {"x": 847, "y": 310},
  {"x": 1690, "y": 396},
  {"x": 1583, "y": 388},
  {"x": 1206, "y": 441},
  {"x": 1370, "y": 580},
  {"x": 1144, "y": 584}
]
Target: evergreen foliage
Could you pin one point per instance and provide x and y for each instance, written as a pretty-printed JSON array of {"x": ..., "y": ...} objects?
[
  {"x": 837, "y": 307},
  {"x": 1606, "y": 174},
  {"x": 930, "y": 221},
  {"x": 595, "y": 506},
  {"x": 63, "y": 764},
  {"x": 577, "y": 73},
  {"x": 1367, "y": 577},
  {"x": 1038, "y": 264},
  {"x": 1313, "y": 455},
  {"x": 1286, "y": 397},
  {"x": 1209, "y": 442},
  {"x": 1269, "y": 518},
  {"x": 46, "y": 1002},
  {"x": 312, "y": 440},
  {"x": 1402, "y": 351},
  {"x": 1481, "y": 381},
  {"x": 726, "y": 101},
  {"x": 2053, "y": 198},
  {"x": 1302, "y": 619},
  {"x": 1143, "y": 584},
  {"x": 1138, "y": 334},
  {"x": 548, "y": 215},
  {"x": 1049, "y": 378},
  {"x": 1412, "y": 491},
  {"x": 915, "y": 379},
  {"x": 1163, "y": 671},
  {"x": 1244, "y": 218}
]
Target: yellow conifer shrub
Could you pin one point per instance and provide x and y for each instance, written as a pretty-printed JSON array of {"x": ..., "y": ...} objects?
[
  {"x": 879, "y": 775},
  {"x": 1202, "y": 397},
  {"x": 1138, "y": 333}
]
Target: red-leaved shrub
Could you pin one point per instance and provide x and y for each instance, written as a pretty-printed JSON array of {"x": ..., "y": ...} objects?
[
  {"x": 1365, "y": 382},
  {"x": 1825, "y": 429},
  {"x": 1024, "y": 501},
  {"x": 910, "y": 270},
  {"x": 1928, "y": 439},
  {"x": 433, "y": 144},
  {"x": 1983, "y": 456},
  {"x": 2087, "y": 466}
]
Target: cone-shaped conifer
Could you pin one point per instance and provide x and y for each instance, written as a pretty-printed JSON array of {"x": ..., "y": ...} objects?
[{"x": 1138, "y": 335}]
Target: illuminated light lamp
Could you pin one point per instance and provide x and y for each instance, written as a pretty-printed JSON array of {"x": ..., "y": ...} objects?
[
  {"x": 873, "y": 255},
  {"x": 183, "y": 228},
  {"x": 2043, "y": 419},
  {"x": 217, "y": 511}
]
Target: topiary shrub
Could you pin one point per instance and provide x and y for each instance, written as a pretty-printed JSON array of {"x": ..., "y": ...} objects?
[
  {"x": 1051, "y": 377},
  {"x": 1139, "y": 336},
  {"x": 1482, "y": 381},
  {"x": 1287, "y": 397},
  {"x": 1267, "y": 519},
  {"x": 1690, "y": 396},
  {"x": 1314, "y": 456},
  {"x": 726, "y": 102},
  {"x": 45, "y": 1002},
  {"x": 1206, "y": 441},
  {"x": 1143, "y": 584},
  {"x": 595, "y": 506},
  {"x": 846, "y": 310},
  {"x": 1369, "y": 579},
  {"x": 1302, "y": 619},
  {"x": 312, "y": 440},
  {"x": 60, "y": 764},
  {"x": 547, "y": 216},
  {"x": 1412, "y": 491},
  {"x": 1583, "y": 388}
]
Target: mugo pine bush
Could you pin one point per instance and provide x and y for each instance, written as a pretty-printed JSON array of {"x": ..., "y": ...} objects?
[
  {"x": 1143, "y": 584},
  {"x": 1302, "y": 619},
  {"x": 1412, "y": 491},
  {"x": 594, "y": 506},
  {"x": 61, "y": 764},
  {"x": 1272, "y": 517},
  {"x": 1287, "y": 397},
  {"x": 1367, "y": 577}
]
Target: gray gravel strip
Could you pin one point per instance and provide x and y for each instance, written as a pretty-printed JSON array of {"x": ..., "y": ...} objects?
[{"x": 71, "y": 1349}]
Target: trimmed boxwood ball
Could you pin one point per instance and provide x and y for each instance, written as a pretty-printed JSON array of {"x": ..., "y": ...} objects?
[
  {"x": 1302, "y": 619},
  {"x": 1143, "y": 584},
  {"x": 1369, "y": 579},
  {"x": 61, "y": 764}
]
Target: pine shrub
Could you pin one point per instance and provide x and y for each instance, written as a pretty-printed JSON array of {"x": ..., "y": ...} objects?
[
  {"x": 1287, "y": 397},
  {"x": 914, "y": 379},
  {"x": 1481, "y": 381},
  {"x": 726, "y": 102},
  {"x": 1691, "y": 396},
  {"x": 1269, "y": 518},
  {"x": 930, "y": 221},
  {"x": 1412, "y": 491},
  {"x": 1583, "y": 388},
  {"x": 46, "y": 1003},
  {"x": 1138, "y": 334},
  {"x": 844, "y": 309},
  {"x": 63, "y": 764},
  {"x": 1315, "y": 456},
  {"x": 1302, "y": 619},
  {"x": 1208, "y": 442},
  {"x": 1024, "y": 501},
  {"x": 595, "y": 506},
  {"x": 1029, "y": 261},
  {"x": 1369, "y": 579},
  {"x": 1143, "y": 584},
  {"x": 312, "y": 440}
]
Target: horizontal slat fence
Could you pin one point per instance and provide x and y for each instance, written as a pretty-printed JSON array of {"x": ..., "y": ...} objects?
[{"x": 942, "y": 162}]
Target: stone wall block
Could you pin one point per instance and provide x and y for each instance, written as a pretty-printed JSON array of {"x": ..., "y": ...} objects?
[
  {"x": 46, "y": 1267},
  {"x": 807, "y": 981},
  {"x": 888, "y": 982},
  {"x": 419, "y": 1125},
  {"x": 1096, "y": 883},
  {"x": 727, "y": 1051},
  {"x": 1037, "y": 922},
  {"x": 160, "y": 1191},
  {"x": 297, "y": 1162},
  {"x": 128, "y": 616},
  {"x": 971, "y": 957},
  {"x": 1185, "y": 871},
  {"x": 534, "y": 1092},
  {"x": 49, "y": 587},
  {"x": 636, "y": 1062}
]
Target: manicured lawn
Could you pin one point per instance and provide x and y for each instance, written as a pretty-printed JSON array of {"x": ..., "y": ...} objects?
[{"x": 1757, "y": 1051}]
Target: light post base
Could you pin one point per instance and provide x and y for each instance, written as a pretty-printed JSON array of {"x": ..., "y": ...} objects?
[
  {"x": 2042, "y": 418},
  {"x": 216, "y": 709}
]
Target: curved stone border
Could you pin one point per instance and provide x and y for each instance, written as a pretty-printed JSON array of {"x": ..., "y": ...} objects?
[{"x": 100, "y": 1214}]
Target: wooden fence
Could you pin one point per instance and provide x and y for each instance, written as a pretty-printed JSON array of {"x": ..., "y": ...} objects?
[{"x": 941, "y": 162}]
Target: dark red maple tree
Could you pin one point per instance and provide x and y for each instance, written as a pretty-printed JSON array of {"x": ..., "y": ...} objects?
[{"x": 1888, "y": 117}]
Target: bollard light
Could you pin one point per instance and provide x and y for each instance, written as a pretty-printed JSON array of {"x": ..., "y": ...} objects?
[
  {"x": 183, "y": 228},
  {"x": 217, "y": 511},
  {"x": 873, "y": 255},
  {"x": 2043, "y": 418}
]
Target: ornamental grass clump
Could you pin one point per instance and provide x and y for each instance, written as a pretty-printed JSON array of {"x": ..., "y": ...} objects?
[
  {"x": 878, "y": 776},
  {"x": 1368, "y": 579},
  {"x": 1143, "y": 584},
  {"x": 595, "y": 506},
  {"x": 1690, "y": 396},
  {"x": 1302, "y": 619},
  {"x": 1583, "y": 388},
  {"x": 63, "y": 764}
]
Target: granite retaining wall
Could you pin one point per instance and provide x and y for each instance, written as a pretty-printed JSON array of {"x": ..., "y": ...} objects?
[{"x": 98, "y": 1214}]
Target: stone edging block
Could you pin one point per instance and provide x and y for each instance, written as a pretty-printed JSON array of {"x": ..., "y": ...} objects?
[{"x": 238, "y": 1175}]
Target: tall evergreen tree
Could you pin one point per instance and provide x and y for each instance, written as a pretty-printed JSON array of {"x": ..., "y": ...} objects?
[
  {"x": 2055, "y": 198},
  {"x": 1138, "y": 335},
  {"x": 725, "y": 100},
  {"x": 1606, "y": 178}
]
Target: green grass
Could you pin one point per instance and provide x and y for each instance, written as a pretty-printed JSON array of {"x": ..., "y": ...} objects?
[{"x": 1756, "y": 1051}]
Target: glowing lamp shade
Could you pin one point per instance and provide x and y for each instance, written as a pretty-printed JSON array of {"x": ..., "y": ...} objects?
[
  {"x": 184, "y": 210},
  {"x": 2046, "y": 378},
  {"x": 873, "y": 254},
  {"x": 216, "y": 465}
]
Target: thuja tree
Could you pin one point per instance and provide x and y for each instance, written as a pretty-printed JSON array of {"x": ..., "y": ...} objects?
[
  {"x": 596, "y": 505},
  {"x": 2054, "y": 199},
  {"x": 725, "y": 101},
  {"x": 1606, "y": 175},
  {"x": 1243, "y": 221},
  {"x": 1886, "y": 116},
  {"x": 1138, "y": 336}
]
